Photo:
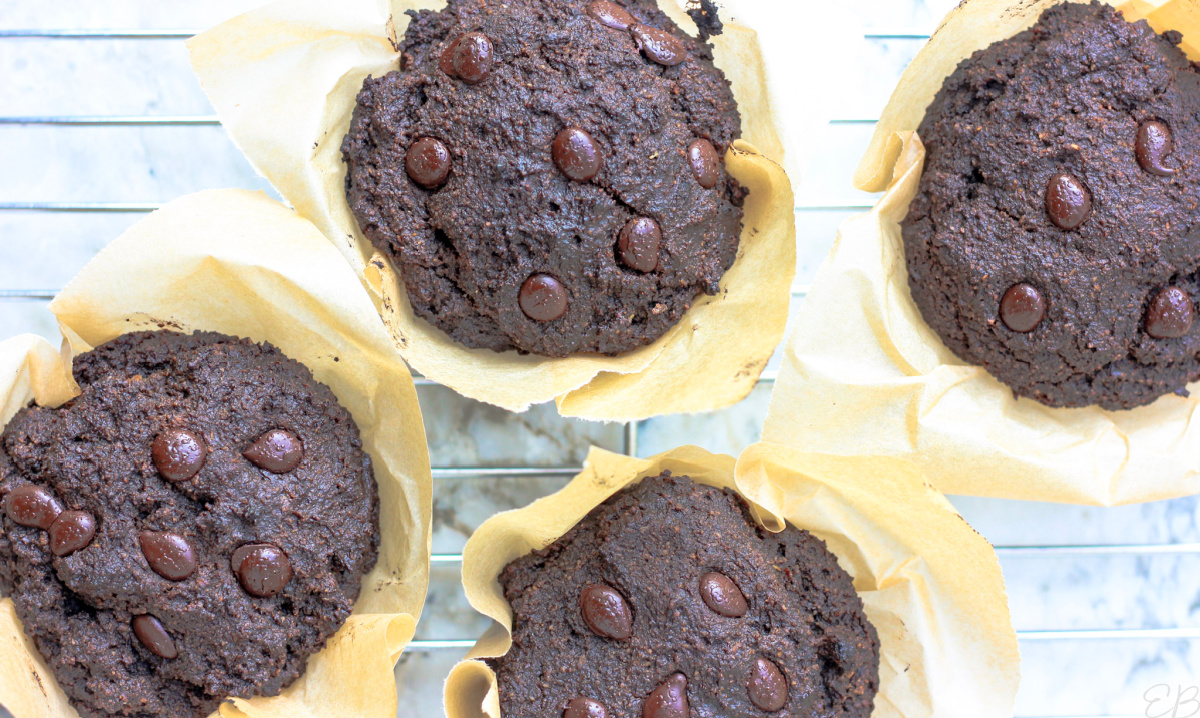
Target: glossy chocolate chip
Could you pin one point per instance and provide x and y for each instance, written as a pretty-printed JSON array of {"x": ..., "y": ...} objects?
[
  {"x": 637, "y": 244},
  {"x": 149, "y": 630},
  {"x": 262, "y": 569},
  {"x": 585, "y": 708},
  {"x": 722, "y": 595},
  {"x": 168, "y": 554},
  {"x": 705, "y": 162},
  {"x": 428, "y": 162},
  {"x": 543, "y": 298},
  {"x": 658, "y": 45},
  {"x": 1154, "y": 144},
  {"x": 669, "y": 700},
  {"x": 605, "y": 612},
  {"x": 1022, "y": 307},
  {"x": 1067, "y": 201},
  {"x": 576, "y": 154},
  {"x": 469, "y": 58},
  {"x": 178, "y": 454},
  {"x": 1170, "y": 314},
  {"x": 768, "y": 688},
  {"x": 71, "y": 531},
  {"x": 611, "y": 14},
  {"x": 278, "y": 451},
  {"x": 33, "y": 506}
]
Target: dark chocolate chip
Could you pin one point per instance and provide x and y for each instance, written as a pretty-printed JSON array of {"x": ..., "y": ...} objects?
[
  {"x": 1022, "y": 307},
  {"x": 768, "y": 688},
  {"x": 605, "y": 612},
  {"x": 669, "y": 700},
  {"x": 428, "y": 162},
  {"x": 469, "y": 58},
  {"x": 722, "y": 595},
  {"x": 637, "y": 244},
  {"x": 278, "y": 451},
  {"x": 658, "y": 45},
  {"x": 1154, "y": 143},
  {"x": 262, "y": 569},
  {"x": 611, "y": 14},
  {"x": 178, "y": 454},
  {"x": 1068, "y": 202},
  {"x": 149, "y": 630},
  {"x": 71, "y": 531},
  {"x": 585, "y": 708},
  {"x": 33, "y": 506},
  {"x": 576, "y": 154},
  {"x": 543, "y": 298},
  {"x": 1170, "y": 314},
  {"x": 168, "y": 554},
  {"x": 706, "y": 163}
]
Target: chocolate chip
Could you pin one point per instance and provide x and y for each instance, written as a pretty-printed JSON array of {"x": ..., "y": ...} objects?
[
  {"x": 168, "y": 554},
  {"x": 278, "y": 451},
  {"x": 611, "y": 14},
  {"x": 658, "y": 45},
  {"x": 768, "y": 688},
  {"x": 543, "y": 298},
  {"x": 585, "y": 708},
  {"x": 637, "y": 244},
  {"x": 1022, "y": 307},
  {"x": 428, "y": 162},
  {"x": 669, "y": 700},
  {"x": 71, "y": 531},
  {"x": 153, "y": 636},
  {"x": 706, "y": 163},
  {"x": 1170, "y": 314},
  {"x": 605, "y": 612},
  {"x": 1067, "y": 201},
  {"x": 469, "y": 58},
  {"x": 576, "y": 154},
  {"x": 1154, "y": 143},
  {"x": 33, "y": 506},
  {"x": 178, "y": 454},
  {"x": 262, "y": 569},
  {"x": 722, "y": 595}
]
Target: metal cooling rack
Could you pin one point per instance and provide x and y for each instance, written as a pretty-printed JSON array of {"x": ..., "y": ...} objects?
[{"x": 10, "y": 246}]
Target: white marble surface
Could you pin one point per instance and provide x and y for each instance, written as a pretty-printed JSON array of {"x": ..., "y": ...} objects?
[{"x": 41, "y": 250}]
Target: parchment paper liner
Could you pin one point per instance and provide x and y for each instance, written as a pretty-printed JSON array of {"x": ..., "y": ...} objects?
[
  {"x": 284, "y": 79},
  {"x": 236, "y": 262},
  {"x": 863, "y": 374},
  {"x": 931, "y": 585}
]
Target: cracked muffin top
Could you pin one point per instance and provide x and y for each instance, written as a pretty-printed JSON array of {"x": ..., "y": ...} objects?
[
  {"x": 548, "y": 175},
  {"x": 193, "y": 526},
  {"x": 1055, "y": 240},
  {"x": 669, "y": 600}
]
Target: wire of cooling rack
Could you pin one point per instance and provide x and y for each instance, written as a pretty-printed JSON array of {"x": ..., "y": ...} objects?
[
  {"x": 113, "y": 120},
  {"x": 631, "y": 430}
]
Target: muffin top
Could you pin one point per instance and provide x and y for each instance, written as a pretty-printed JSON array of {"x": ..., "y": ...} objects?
[
  {"x": 548, "y": 175},
  {"x": 194, "y": 525},
  {"x": 669, "y": 600},
  {"x": 1055, "y": 240}
]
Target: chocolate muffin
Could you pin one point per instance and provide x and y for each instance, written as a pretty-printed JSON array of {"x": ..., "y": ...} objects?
[
  {"x": 1055, "y": 240},
  {"x": 668, "y": 601},
  {"x": 547, "y": 175},
  {"x": 194, "y": 525}
]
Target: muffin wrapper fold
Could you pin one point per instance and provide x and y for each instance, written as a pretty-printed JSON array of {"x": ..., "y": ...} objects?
[
  {"x": 931, "y": 585},
  {"x": 236, "y": 262},
  {"x": 284, "y": 80},
  {"x": 863, "y": 374}
]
